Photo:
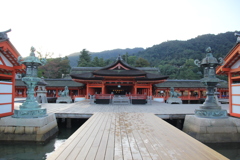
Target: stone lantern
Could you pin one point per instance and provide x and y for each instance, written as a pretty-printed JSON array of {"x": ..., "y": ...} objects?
[
  {"x": 41, "y": 91},
  {"x": 31, "y": 108},
  {"x": 210, "y": 108}
]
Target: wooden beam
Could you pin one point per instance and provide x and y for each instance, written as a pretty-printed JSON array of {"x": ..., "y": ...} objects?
[
  {"x": 6, "y": 67},
  {"x": 5, "y": 75},
  {"x": 235, "y": 70},
  {"x": 225, "y": 69},
  {"x": 238, "y": 77}
]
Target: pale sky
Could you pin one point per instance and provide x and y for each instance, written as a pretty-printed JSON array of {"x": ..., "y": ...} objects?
[{"x": 67, "y": 26}]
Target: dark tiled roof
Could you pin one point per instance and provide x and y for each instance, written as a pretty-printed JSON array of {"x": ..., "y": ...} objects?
[
  {"x": 150, "y": 76},
  {"x": 119, "y": 73},
  {"x": 55, "y": 83},
  {"x": 85, "y": 73},
  {"x": 119, "y": 60},
  {"x": 187, "y": 84},
  {"x": 86, "y": 76}
]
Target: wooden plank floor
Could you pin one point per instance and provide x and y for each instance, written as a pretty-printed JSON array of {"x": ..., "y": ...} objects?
[{"x": 128, "y": 136}]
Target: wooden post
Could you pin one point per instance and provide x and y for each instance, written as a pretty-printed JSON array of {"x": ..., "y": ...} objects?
[
  {"x": 230, "y": 91},
  {"x": 103, "y": 88},
  {"x": 24, "y": 92},
  {"x": 135, "y": 88},
  {"x": 87, "y": 91},
  {"x": 150, "y": 88},
  {"x": 56, "y": 92}
]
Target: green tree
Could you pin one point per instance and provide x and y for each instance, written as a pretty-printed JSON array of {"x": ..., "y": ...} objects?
[
  {"x": 132, "y": 60},
  {"x": 95, "y": 62},
  {"x": 140, "y": 62},
  {"x": 84, "y": 58},
  {"x": 55, "y": 67}
]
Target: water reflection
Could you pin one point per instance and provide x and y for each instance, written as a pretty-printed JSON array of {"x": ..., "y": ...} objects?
[
  {"x": 33, "y": 151},
  {"x": 229, "y": 150}
]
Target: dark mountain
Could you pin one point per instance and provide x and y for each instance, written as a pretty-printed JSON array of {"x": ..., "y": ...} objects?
[
  {"x": 176, "y": 58},
  {"x": 180, "y": 51},
  {"x": 109, "y": 54}
]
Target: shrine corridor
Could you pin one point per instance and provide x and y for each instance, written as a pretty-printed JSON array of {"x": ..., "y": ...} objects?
[{"x": 122, "y": 135}]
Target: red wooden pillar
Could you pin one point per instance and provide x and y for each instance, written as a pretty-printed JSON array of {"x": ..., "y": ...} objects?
[
  {"x": 135, "y": 89},
  {"x": 103, "y": 88},
  {"x": 150, "y": 89},
  {"x": 13, "y": 88},
  {"x": 189, "y": 93},
  {"x": 87, "y": 91},
  {"x": 230, "y": 91},
  {"x": 24, "y": 92},
  {"x": 56, "y": 92}
]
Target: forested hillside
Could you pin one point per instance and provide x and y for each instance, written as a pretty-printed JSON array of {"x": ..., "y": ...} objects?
[
  {"x": 110, "y": 54},
  {"x": 173, "y": 58}
]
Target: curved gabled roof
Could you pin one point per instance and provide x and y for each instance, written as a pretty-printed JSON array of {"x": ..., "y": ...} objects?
[
  {"x": 119, "y": 61},
  {"x": 117, "y": 69}
]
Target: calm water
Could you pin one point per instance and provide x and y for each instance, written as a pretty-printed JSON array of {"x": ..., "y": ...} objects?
[
  {"x": 229, "y": 150},
  {"x": 33, "y": 151}
]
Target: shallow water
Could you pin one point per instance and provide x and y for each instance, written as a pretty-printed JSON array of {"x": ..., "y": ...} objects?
[
  {"x": 34, "y": 151},
  {"x": 229, "y": 150}
]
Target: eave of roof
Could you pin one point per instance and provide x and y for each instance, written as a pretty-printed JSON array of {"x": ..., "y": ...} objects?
[{"x": 229, "y": 59}]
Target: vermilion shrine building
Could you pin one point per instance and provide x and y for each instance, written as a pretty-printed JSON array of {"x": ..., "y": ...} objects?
[
  {"x": 231, "y": 68},
  {"x": 8, "y": 69},
  {"x": 120, "y": 79}
]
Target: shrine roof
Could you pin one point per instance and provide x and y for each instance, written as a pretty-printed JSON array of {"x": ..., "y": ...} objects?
[
  {"x": 9, "y": 56},
  {"x": 54, "y": 83},
  {"x": 119, "y": 68},
  {"x": 187, "y": 84},
  {"x": 79, "y": 70},
  {"x": 231, "y": 58}
]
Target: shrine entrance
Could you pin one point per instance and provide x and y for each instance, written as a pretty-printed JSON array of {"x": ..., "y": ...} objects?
[{"x": 119, "y": 90}]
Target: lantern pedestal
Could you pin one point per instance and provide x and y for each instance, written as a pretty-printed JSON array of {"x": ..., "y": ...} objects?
[
  {"x": 211, "y": 108},
  {"x": 28, "y": 129},
  {"x": 30, "y": 108},
  {"x": 211, "y": 113},
  {"x": 209, "y": 130}
]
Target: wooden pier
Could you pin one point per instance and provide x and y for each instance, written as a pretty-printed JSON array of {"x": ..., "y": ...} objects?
[{"x": 128, "y": 136}]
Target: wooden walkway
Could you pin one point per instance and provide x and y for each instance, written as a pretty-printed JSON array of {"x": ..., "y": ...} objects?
[{"x": 128, "y": 136}]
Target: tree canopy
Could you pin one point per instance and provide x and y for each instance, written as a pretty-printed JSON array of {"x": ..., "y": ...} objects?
[{"x": 55, "y": 68}]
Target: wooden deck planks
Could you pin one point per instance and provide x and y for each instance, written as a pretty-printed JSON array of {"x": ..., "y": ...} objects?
[{"x": 131, "y": 136}]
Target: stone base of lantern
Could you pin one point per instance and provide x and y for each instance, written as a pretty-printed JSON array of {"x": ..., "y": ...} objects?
[
  {"x": 30, "y": 113},
  {"x": 211, "y": 113},
  {"x": 209, "y": 130},
  {"x": 28, "y": 129}
]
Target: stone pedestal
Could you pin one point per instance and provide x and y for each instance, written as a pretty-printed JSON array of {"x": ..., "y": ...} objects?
[
  {"x": 66, "y": 99},
  {"x": 172, "y": 100},
  {"x": 209, "y": 130},
  {"x": 28, "y": 129}
]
